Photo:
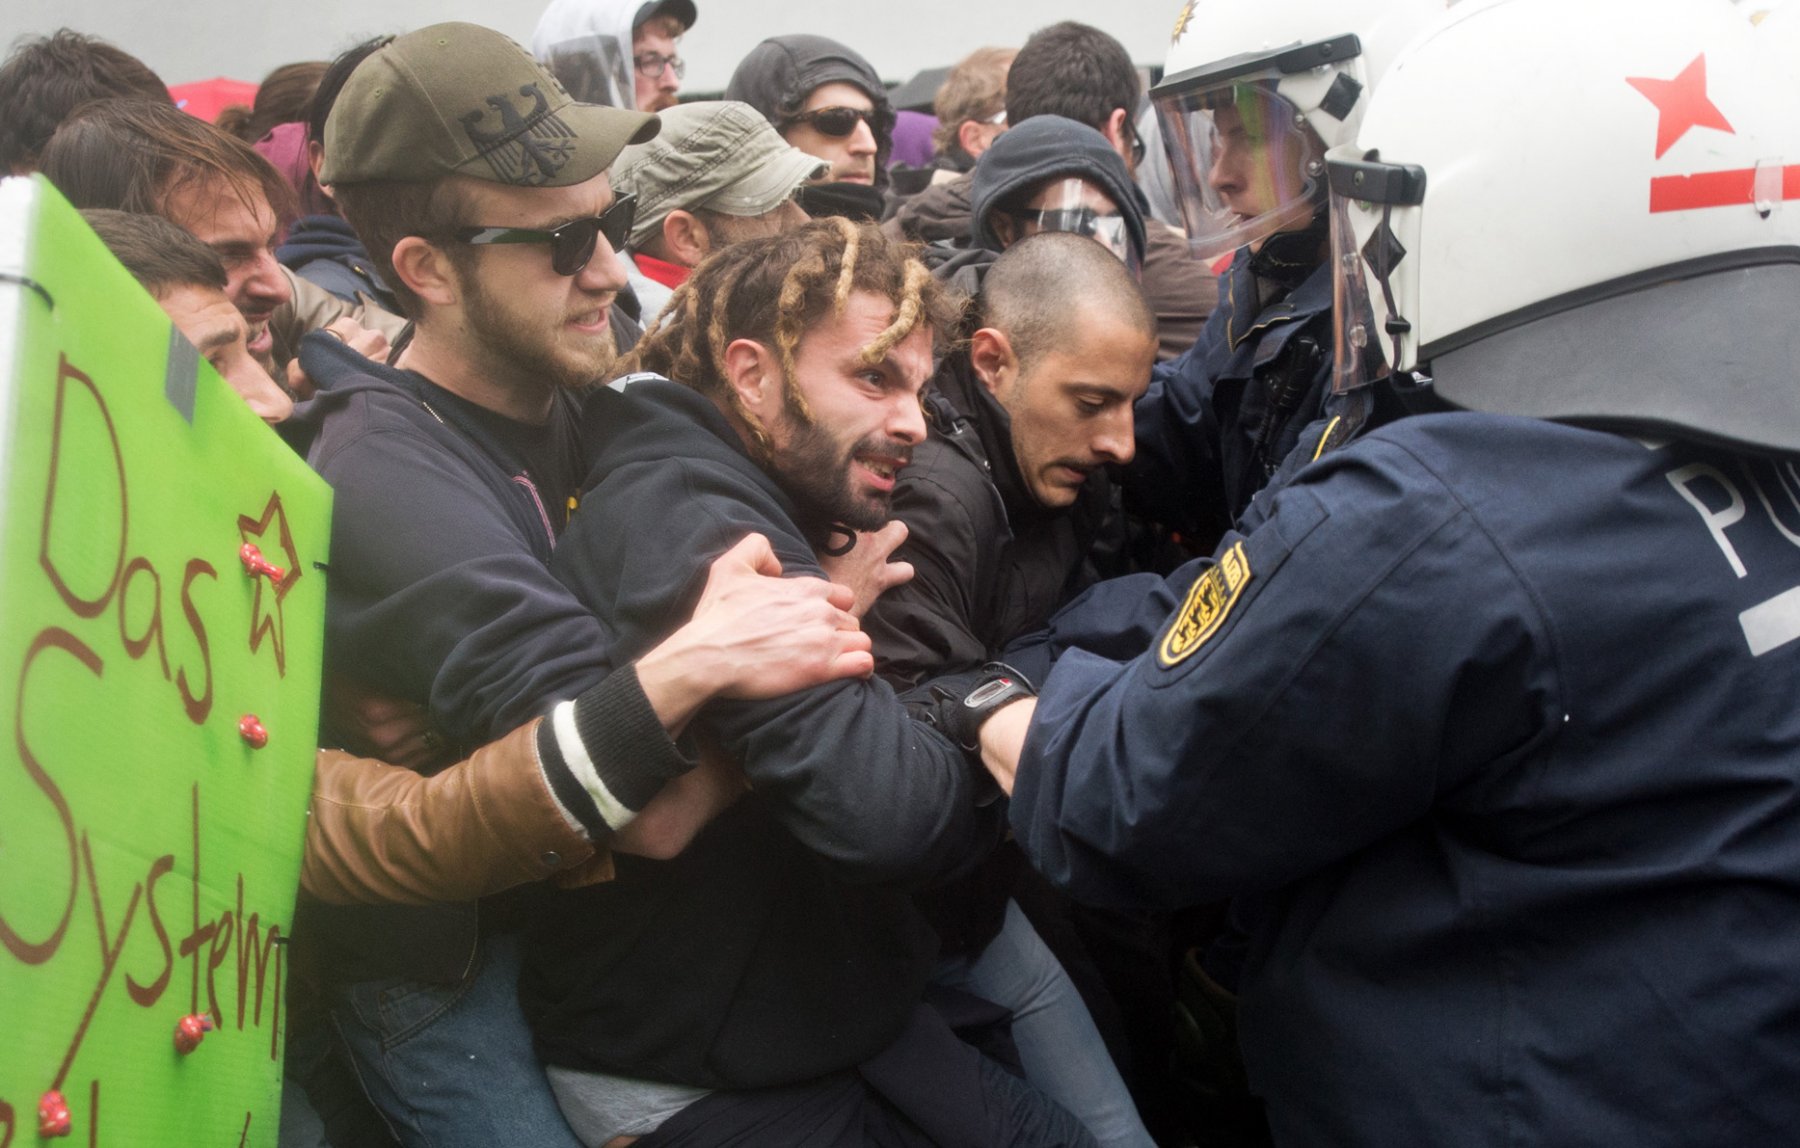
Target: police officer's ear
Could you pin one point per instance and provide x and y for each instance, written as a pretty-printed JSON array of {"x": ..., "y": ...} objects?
[
  {"x": 996, "y": 365},
  {"x": 753, "y": 375}
]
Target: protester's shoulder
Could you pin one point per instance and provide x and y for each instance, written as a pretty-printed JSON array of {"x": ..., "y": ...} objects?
[
  {"x": 944, "y": 487},
  {"x": 1169, "y": 262},
  {"x": 668, "y": 474},
  {"x": 654, "y": 433},
  {"x": 363, "y": 403},
  {"x": 939, "y": 212}
]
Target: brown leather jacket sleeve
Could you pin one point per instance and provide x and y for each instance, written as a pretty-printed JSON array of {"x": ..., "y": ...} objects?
[
  {"x": 311, "y": 307},
  {"x": 380, "y": 833}
]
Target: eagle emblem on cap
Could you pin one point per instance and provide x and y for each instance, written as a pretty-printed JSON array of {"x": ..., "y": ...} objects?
[{"x": 527, "y": 149}]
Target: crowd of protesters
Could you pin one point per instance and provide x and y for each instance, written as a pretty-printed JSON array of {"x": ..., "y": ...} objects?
[{"x": 1005, "y": 621}]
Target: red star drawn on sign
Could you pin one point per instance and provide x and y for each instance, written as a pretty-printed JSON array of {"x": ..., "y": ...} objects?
[
  {"x": 1681, "y": 104},
  {"x": 266, "y": 619}
]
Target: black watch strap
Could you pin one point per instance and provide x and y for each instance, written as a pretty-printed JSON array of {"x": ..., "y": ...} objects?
[{"x": 998, "y": 685}]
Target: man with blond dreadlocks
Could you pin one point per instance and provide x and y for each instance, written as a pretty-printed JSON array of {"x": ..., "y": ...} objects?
[{"x": 771, "y": 981}]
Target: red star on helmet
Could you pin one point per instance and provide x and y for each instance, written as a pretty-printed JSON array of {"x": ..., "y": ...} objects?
[{"x": 1681, "y": 104}]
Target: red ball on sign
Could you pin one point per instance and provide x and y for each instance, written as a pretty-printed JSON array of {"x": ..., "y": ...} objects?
[
  {"x": 53, "y": 1115},
  {"x": 191, "y": 1031},
  {"x": 256, "y": 565},
  {"x": 250, "y": 728}
]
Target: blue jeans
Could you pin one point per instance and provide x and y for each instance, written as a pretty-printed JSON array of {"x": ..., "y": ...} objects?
[
  {"x": 452, "y": 1066},
  {"x": 1059, "y": 1047}
]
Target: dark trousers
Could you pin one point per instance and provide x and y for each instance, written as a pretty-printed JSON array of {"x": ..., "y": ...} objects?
[{"x": 927, "y": 1088}]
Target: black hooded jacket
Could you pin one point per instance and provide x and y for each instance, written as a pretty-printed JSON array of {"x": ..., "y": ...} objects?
[
  {"x": 1040, "y": 149},
  {"x": 778, "y": 74},
  {"x": 1180, "y": 289},
  {"x": 990, "y": 562},
  {"x": 782, "y": 944}
]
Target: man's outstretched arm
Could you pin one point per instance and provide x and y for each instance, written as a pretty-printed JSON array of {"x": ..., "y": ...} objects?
[{"x": 602, "y": 771}]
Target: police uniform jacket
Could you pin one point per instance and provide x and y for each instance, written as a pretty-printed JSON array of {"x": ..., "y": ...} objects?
[
  {"x": 1495, "y": 723},
  {"x": 1217, "y": 421}
]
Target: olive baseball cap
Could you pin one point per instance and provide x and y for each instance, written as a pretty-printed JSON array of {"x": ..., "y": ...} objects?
[
  {"x": 721, "y": 156},
  {"x": 460, "y": 99}
]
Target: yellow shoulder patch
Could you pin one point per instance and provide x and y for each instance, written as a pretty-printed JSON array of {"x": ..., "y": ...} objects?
[
  {"x": 1182, "y": 20},
  {"x": 1213, "y": 595}
]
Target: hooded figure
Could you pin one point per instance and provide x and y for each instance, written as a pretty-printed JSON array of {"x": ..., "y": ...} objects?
[
  {"x": 779, "y": 73},
  {"x": 1033, "y": 153},
  {"x": 587, "y": 44}
]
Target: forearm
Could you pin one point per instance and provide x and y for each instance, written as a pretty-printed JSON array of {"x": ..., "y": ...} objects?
[
  {"x": 1003, "y": 740},
  {"x": 607, "y": 753},
  {"x": 678, "y": 677},
  {"x": 545, "y": 800},
  {"x": 381, "y": 833}
]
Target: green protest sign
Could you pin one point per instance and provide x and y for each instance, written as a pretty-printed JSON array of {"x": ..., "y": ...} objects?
[{"x": 149, "y": 852}]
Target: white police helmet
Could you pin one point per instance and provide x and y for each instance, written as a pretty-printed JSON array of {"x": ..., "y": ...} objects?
[
  {"x": 1593, "y": 225},
  {"x": 1253, "y": 94}
]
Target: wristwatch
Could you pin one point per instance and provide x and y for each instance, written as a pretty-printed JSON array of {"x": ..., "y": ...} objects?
[{"x": 998, "y": 685}]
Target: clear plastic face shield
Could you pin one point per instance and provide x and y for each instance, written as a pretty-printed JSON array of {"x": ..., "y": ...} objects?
[
  {"x": 596, "y": 69},
  {"x": 1081, "y": 208},
  {"x": 1375, "y": 209},
  {"x": 1244, "y": 161}
]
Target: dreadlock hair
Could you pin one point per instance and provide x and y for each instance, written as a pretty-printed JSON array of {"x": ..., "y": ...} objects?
[{"x": 774, "y": 290}]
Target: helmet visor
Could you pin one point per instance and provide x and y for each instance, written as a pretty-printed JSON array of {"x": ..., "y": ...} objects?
[
  {"x": 1359, "y": 356},
  {"x": 1244, "y": 161},
  {"x": 1375, "y": 222},
  {"x": 595, "y": 69}
]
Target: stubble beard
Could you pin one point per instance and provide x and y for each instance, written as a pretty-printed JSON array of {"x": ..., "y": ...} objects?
[
  {"x": 815, "y": 472},
  {"x": 530, "y": 348}
]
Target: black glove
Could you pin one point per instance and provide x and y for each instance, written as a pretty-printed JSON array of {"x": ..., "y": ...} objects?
[
  {"x": 937, "y": 702},
  {"x": 957, "y": 704}
]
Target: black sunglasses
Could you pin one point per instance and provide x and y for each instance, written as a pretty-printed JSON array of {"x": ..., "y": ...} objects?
[
  {"x": 836, "y": 122},
  {"x": 572, "y": 244}
]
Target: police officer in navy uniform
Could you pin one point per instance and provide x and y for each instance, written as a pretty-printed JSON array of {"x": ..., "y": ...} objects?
[
  {"x": 1492, "y": 720},
  {"x": 1253, "y": 96}
]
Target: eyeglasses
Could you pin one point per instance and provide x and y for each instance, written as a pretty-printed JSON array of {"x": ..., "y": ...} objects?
[
  {"x": 1138, "y": 150},
  {"x": 836, "y": 122},
  {"x": 650, "y": 64},
  {"x": 572, "y": 244}
]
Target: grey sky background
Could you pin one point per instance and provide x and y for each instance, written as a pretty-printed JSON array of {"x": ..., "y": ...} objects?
[{"x": 198, "y": 39}]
